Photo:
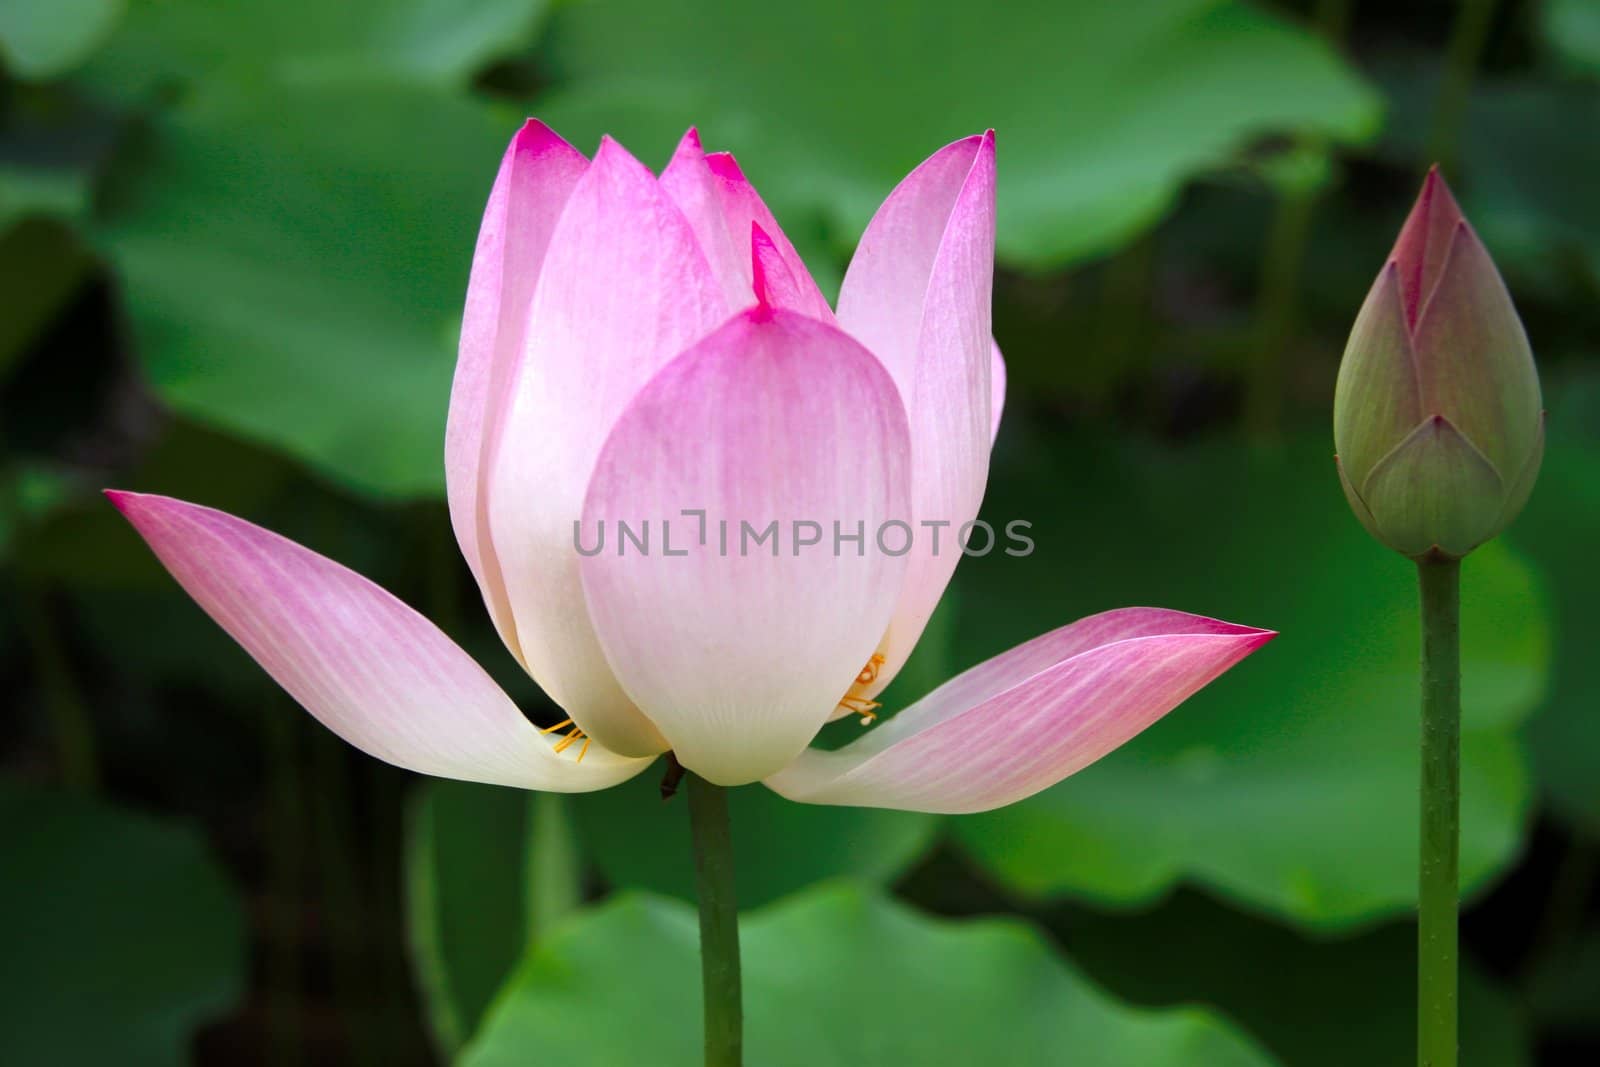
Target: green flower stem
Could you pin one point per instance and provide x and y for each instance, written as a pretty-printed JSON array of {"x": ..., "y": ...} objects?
[
  {"x": 1440, "y": 584},
  {"x": 554, "y": 881},
  {"x": 1468, "y": 36},
  {"x": 332, "y": 835},
  {"x": 719, "y": 923},
  {"x": 64, "y": 702},
  {"x": 286, "y": 878},
  {"x": 1282, "y": 264},
  {"x": 63, "y": 699},
  {"x": 1121, "y": 338}
]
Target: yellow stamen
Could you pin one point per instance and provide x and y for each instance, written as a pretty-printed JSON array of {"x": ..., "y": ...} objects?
[
  {"x": 863, "y": 707},
  {"x": 567, "y": 742},
  {"x": 573, "y": 736}
]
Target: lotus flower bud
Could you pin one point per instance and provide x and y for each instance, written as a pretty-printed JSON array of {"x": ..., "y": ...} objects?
[{"x": 1437, "y": 416}]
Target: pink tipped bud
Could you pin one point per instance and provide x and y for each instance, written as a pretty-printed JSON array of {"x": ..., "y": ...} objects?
[{"x": 1437, "y": 416}]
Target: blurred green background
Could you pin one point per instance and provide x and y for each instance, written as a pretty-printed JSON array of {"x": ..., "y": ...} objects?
[{"x": 234, "y": 239}]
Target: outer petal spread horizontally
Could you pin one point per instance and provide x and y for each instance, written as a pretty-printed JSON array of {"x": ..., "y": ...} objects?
[
  {"x": 624, "y": 288},
  {"x": 372, "y": 670},
  {"x": 739, "y": 649},
  {"x": 1024, "y": 720},
  {"x": 918, "y": 295}
]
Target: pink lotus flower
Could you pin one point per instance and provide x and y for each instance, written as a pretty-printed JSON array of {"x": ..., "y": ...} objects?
[{"x": 633, "y": 347}]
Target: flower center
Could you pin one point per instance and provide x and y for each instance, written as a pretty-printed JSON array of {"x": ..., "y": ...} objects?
[
  {"x": 572, "y": 736},
  {"x": 855, "y": 702}
]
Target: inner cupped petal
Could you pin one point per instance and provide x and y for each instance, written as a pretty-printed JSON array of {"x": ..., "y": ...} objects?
[
  {"x": 537, "y": 174},
  {"x": 738, "y": 637},
  {"x": 623, "y": 289},
  {"x": 918, "y": 294},
  {"x": 722, "y": 206}
]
